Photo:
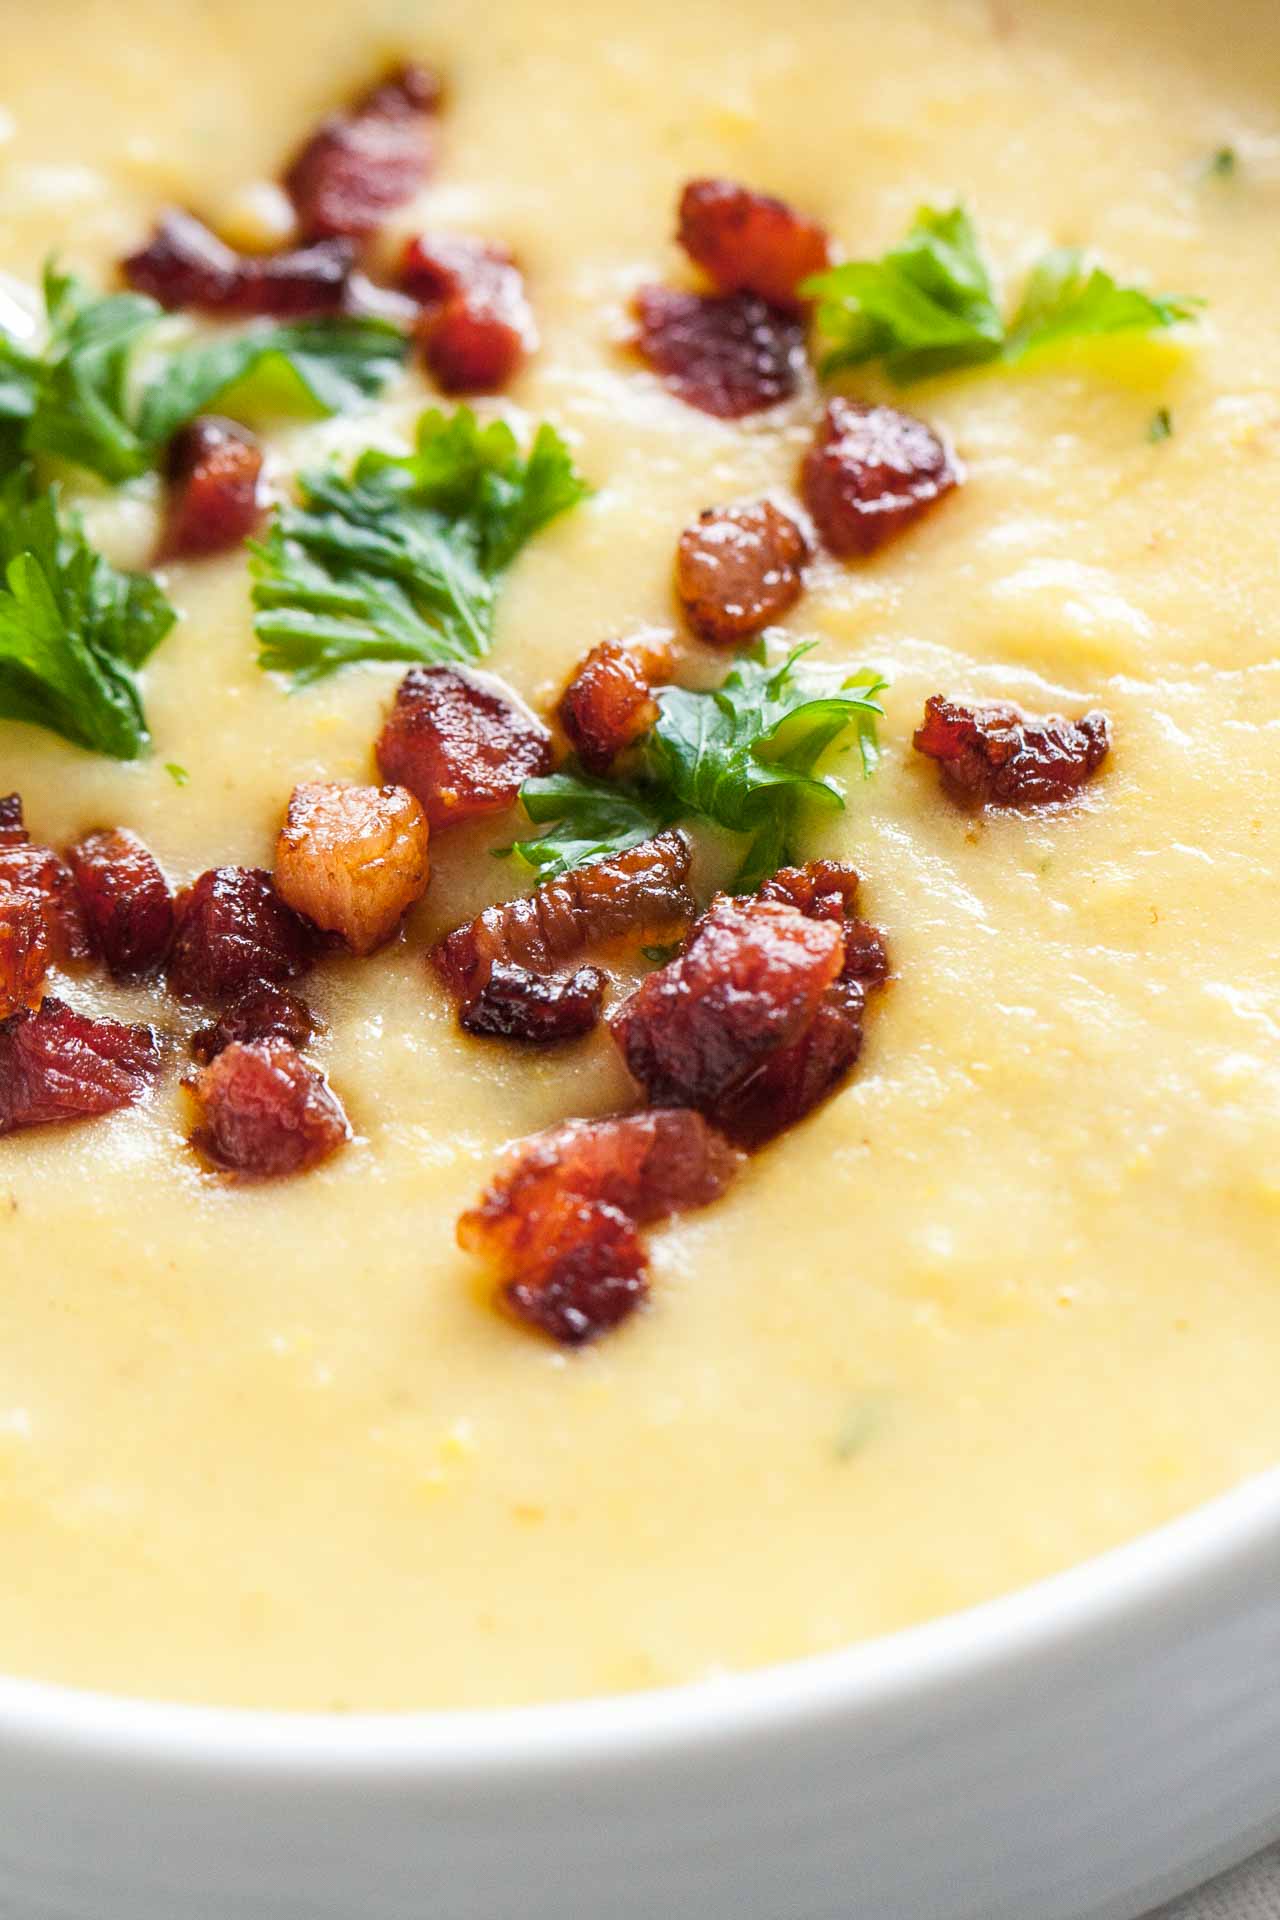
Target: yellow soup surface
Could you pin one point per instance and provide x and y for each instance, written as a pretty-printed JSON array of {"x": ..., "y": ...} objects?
[{"x": 1008, "y": 1299}]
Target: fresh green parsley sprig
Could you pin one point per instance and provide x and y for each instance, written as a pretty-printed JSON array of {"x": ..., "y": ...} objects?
[
  {"x": 402, "y": 561},
  {"x": 741, "y": 756},
  {"x": 929, "y": 305}
]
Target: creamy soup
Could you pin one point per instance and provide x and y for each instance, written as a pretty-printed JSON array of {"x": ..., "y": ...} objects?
[{"x": 1011, "y": 1296}]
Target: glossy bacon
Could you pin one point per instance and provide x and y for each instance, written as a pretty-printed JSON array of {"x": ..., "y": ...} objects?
[
  {"x": 871, "y": 473},
  {"x": 215, "y": 471},
  {"x": 515, "y": 1004},
  {"x": 184, "y": 264},
  {"x": 738, "y": 569},
  {"x": 476, "y": 325},
  {"x": 25, "y": 952},
  {"x": 56, "y": 1064},
  {"x": 749, "y": 242},
  {"x": 361, "y": 164},
  {"x": 264, "y": 1111},
  {"x": 560, "y": 1221},
  {"x": 12, "y": 830},
  {"x": 462, "y": 743},
  {"x": 748, "y": 982},
  {"x": 609, "y": 703},
  {"x": 233, "y": 931},
  {"x": 40, "y": 875},
  {"x": 726, "y": 354},
  {"x": 828, "y": 890},
  {"x": 127, "y": 901},
  {"x": 644, "y": 890},
  {"x": 262, "y": 1013},
  {"x": 353, "y": 860},
  {"x": 995, "y": 754}
]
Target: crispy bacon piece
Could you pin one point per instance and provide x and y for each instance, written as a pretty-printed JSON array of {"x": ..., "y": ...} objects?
[
  {"x": 352, "y": 859},
  {"x": 997, "y": 755},
  {"x": 749, "y": 242},
  {"x": 515, "y": 1004},
  {"x": 127, "y": 901},
  {"x": 40, "y": 875},
  {"x": 362, "y": 163},
  {"x": 233, "y": 931},
  {"x": 560, "y": 1221},
  {"x": 56, "y": 1064},
  {"x": 214, "y": 470},
  {"x": 871, "y": 473},
  {"x": 642, "y": 890},
  {"x": 748, "y": 983},
  {"x": 265, "y": 1111},
  {"x": 738, "y": 569},
  {"x": 25, "y": 953},
  {"x": 185, "y": 264},
  {"x": 462, "y": 743},
  {"x": 262, "y": 1013},
  {"x": 12, "y": 830},
  {"x": 476, "y": 325},
  {"x": 609, "y": 703},
  {"x": 728, "y": 354}
]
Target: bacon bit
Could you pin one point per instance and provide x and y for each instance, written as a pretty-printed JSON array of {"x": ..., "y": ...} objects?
[
  {"x": 515, "y": 1004},
  {"x": 361, "y": 164},
  {"x": 747, "y": 984},
  {"x": 234, "y": 931},
  {"x": 353, "y": 860},
  {"x": 560, "y": 1220},
  {"x": 127, "y": 901},
  {"x": 749, "y": 242},
  {"x": 263, "y": 1013},
  {"x": 727, "y": 354},
  {"x": 25, "y": 953},
  {"x": 462, "y": 743},
  {"x": 184, "y": 264},
  {"x": 822, "y": 889},
  {"x": 56, "y": 1064},
  {"x": 643, "y": 890},
  {"x": 998, "y": 755},
  {"x": 871, "y": 473},
  {"x": 265, "y": 1111},
  {"x": 609, "y": 704},
  {"x": 41, "y": 876},
  {"x": 12, "y": 831},
  {"x": 214, "y": 470},
  {"x": 476, "y": 326},
  {"x": 738, "y": 570}
]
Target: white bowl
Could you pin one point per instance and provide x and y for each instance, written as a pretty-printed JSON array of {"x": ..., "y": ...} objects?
[{"x": 1077, "y": 1751}]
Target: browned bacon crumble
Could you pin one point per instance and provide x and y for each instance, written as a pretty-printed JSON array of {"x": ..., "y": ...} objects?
[
  {"x": 462, "y": 743},
  {"x": 215, "y": 471},
  {"x": 25, "y": 953},
  {"x": 42, "y": 876},
  {"x": 871, "y": 473},
  {"x": 749, "y": 242},
  {"x": 560, "y": 1221},
  {"x": 476, "y": 325},
  {"x": 362, "y": 163},
  {"x": 233, "y": 930},
  {"x": 727, "y": 354},
  {"x": 184, "y": 264},
  {"x": 515, "y": 1004},
  {"x": 265, "y": 1111},
  {"x": 353, "y": 860},
  {"x": 998, "y": 755},
  {"x": 127, "y": 901},
  {"x": 56, "y": 1064},
  {"x": 12, "y": 830},
  {"x": 738, "y": 569},
  {"x": 262, "y": 1013},
  {"x": 644, "y": 890},
  {"x": 609, "y": 703}
]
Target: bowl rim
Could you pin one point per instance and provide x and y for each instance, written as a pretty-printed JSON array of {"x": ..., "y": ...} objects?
[{"x": 1185, "y": 1559}]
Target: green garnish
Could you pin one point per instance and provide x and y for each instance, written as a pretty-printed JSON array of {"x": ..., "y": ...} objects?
[
  {"x": 73, "y": 628},
  {"x": 865, "y": 1415},
  {"x": 74, "y": 398},
  {"x": 1223, "y": 164},
  {"x": 403, "y": 560},
  {"x": 929, "y": 305},
  {"x": 1160, "y": 426},
  {"x": 177, "y": 773},
  {"x": 741, "y": 757}
]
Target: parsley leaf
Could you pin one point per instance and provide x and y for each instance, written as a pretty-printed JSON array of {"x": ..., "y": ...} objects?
[
  {"x": 929, "y": 305},
  {"x": 73, "y": 628},
  {"x": 402, "y": 561},
  {"x": 740, "y": 756},
  {"x": 78, "y": 396}
]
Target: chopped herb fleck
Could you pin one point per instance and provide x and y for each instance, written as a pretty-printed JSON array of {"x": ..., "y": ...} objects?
[
  {"x": 1222, "y": 165},
  {"x": 178, "y": 774},
  {"x": 1161, "y": 426}
]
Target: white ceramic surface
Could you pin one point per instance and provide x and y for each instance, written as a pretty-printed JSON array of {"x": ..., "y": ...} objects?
[{"x": 1078, "y": 1751}]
